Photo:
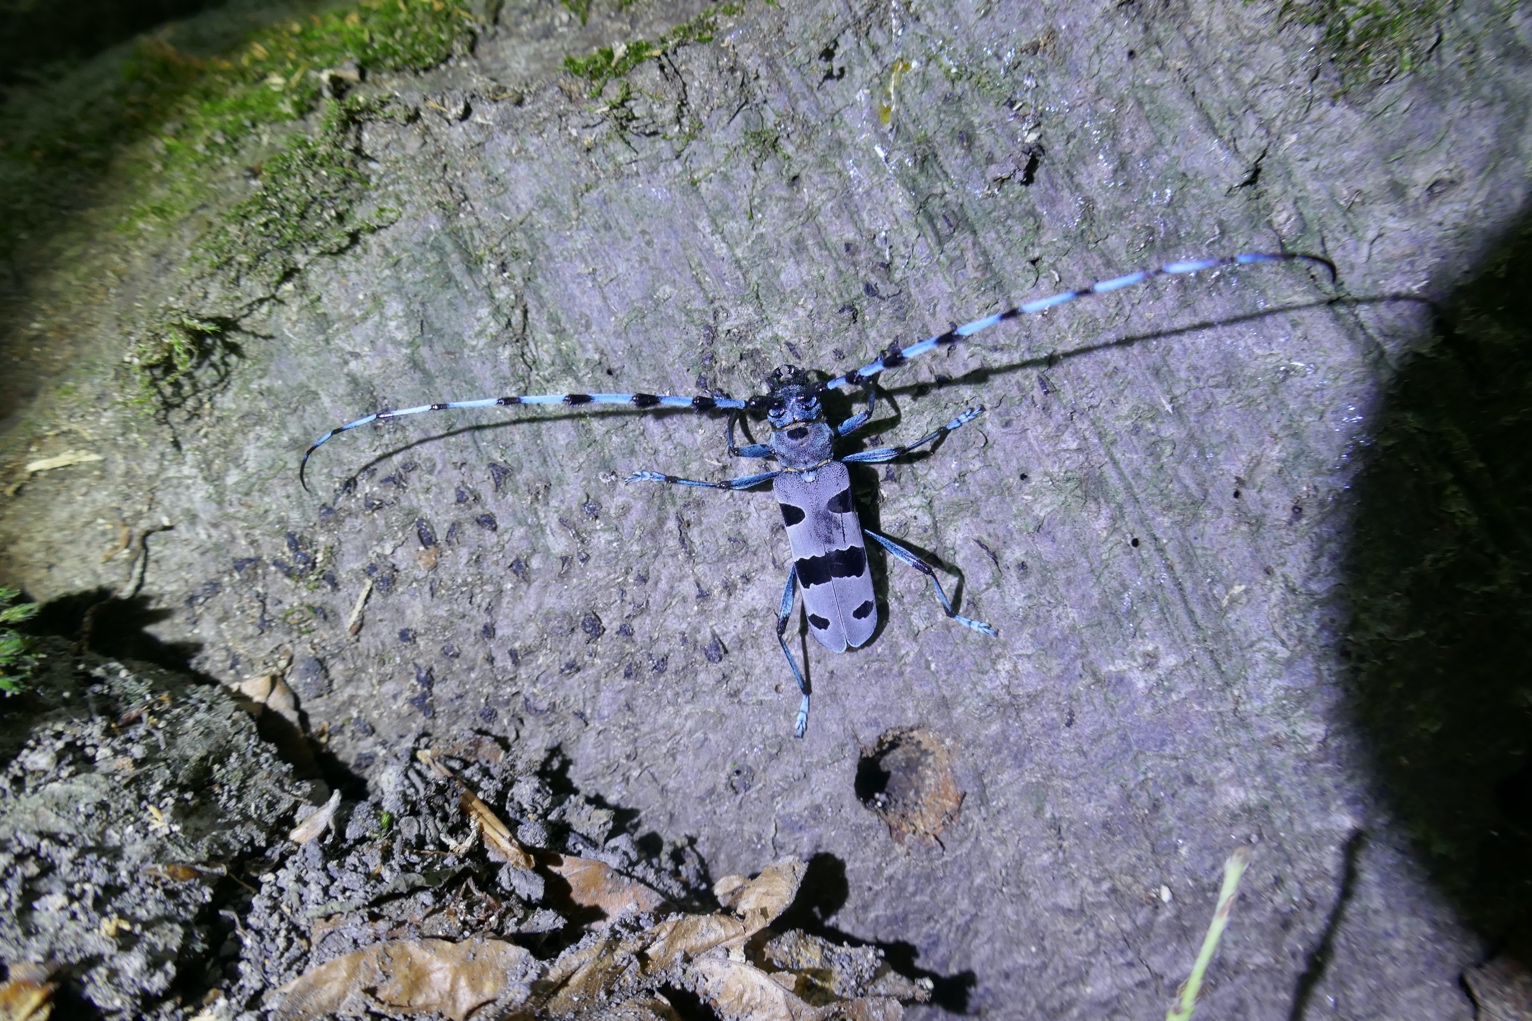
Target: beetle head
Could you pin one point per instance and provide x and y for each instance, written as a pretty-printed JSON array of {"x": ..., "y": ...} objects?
[{"x": 792, "y": 397}]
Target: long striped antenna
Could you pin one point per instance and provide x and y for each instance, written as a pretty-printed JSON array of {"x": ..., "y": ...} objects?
[
  {"x": 894, "y": 356},
  {"x": 891, "y": 358},
  {"x": 701, "y": 402}
]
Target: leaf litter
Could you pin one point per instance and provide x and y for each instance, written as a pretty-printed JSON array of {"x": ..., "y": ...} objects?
[{"x": 589, "y": 932}]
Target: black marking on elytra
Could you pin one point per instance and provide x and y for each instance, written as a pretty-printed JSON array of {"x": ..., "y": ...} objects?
[
  {"x": 811, "y": 481},
  {"x": 841, "y": 563},
  {"x": 813, "y": 571},
  {"x": 849, "y": 563}
]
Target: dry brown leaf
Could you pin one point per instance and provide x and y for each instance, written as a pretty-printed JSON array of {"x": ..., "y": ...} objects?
[
  {"x": 497, "y": 835},
  {"x": 871, "y": 1008},
  {"x": 315, "y": 822},
  {"x": 644, "y": 1008},
  {"x": 427, "y": 757},
  {"x": 65, "y": 460},
  {"x": 591, "y": 973},
  {"x": 181, "y": 872},
  {"x": 27, "y": 995},
  {"x": 595, "y": 884},
  {"x": 677, "y": 939},
  {"x": 763, "y": 898},
  {"x": 282, "y": 701},
  {"x": 586, "y": 976},
  {"x": 737, "y": 990},
  {"x": 828, "y": 970},
  {"x": 412, "y": 976},
  {"x": 727, "y": 889}
]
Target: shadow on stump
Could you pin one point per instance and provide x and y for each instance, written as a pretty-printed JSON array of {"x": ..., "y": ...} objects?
[{"x": 1440, "y": 583}]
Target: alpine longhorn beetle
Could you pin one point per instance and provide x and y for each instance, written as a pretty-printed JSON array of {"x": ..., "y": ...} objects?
[{"x": 812, "y": 484}]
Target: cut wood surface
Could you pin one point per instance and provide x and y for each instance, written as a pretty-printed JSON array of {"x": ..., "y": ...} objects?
[{"x": 1158, "y": 511}]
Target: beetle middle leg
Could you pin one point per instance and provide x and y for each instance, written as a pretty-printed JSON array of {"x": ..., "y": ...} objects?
[{"x": 882, "y": 454}]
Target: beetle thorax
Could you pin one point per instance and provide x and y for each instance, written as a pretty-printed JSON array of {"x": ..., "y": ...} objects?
[{"x": 800, "y": 437}]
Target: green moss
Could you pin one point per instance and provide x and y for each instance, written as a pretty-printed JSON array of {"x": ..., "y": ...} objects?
[
  {"x": 1372, "y": 40},
  {"x": 167, "y": 355},
  {"x": 15, "y": 661},
  {"x": 579, "y": 8},
  {"x": 59, "y": 140},
  {"x": 306, "y": 206},
  {"x": 306, "y": 203},
  {"x": 207, "y": 109},
  {"x": 148, "y": 135},
  {"x": 611, "y": 62}
]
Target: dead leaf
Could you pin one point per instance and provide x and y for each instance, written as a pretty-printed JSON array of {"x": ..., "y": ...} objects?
[
  {"x": 595, "y": 884},
  {"x": 497, "y": 835},
  {"x": 728, "y": 889},
  {"x": 586, "y": 975},
  {"x": 676, "y": 939},
  {"x": 270, "y": 690},
  {"x": 281, "y": 700},
  {"x": 27, "y": 995},
  {"x": 413, "y": 977},
  {"x": 792, "y": 977},
  {"x": 645, "y": 1008},
  {"x": 182, "y": 872},
  {"x": 316, "y": 822},
  {"x": 599, "y": 970},
  {"x": 739, "y": 991},
  {"x": 64, "y": 460},
  {"x": 736, "y": 989},
  {"x": 760, "y": 900},
  {"x": 829, "y": 971}
]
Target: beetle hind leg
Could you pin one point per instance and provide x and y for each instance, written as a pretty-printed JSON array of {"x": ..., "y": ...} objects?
[
  {"x": 907, "y": 557},
  {"x": 785, "y": 614}
]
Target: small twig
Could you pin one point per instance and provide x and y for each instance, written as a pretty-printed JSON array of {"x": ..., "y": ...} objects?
[
  {"x": 354, "y": 622},
  {"x": 138, "y": 567},
  {"x": 140, "y": 563}
]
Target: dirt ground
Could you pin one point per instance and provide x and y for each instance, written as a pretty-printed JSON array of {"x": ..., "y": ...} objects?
[{"x": 1254, "y": 542}]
